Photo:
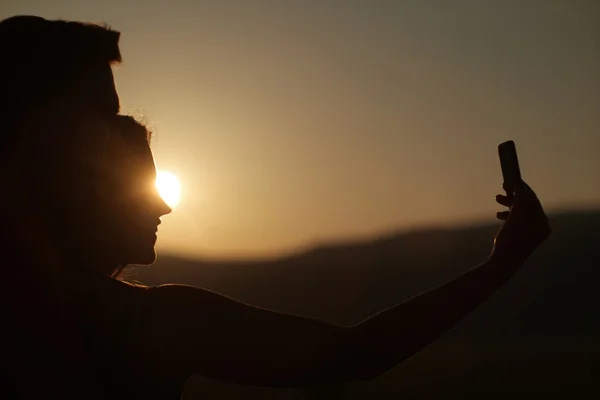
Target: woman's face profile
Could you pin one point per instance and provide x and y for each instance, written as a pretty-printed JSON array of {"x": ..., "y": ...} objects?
[
  {"x": 111, "y": 206},
  {"x": 134, "y": 205}
]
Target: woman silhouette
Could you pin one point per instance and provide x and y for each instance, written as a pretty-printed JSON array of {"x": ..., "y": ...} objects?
[{"x": 80, "y": 204}]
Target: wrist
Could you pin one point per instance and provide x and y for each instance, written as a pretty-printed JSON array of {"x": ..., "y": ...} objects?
[{"x": 507, "y": 265}]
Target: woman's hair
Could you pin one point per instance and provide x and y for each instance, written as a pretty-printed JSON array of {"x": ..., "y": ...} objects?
[{"x": 131, "y": 129}]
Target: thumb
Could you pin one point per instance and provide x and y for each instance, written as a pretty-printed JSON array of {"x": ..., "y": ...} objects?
[{"x": 521, "y": 197}]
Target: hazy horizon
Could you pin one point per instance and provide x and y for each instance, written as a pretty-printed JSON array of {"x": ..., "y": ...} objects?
[{"x": 293, "y": 122}]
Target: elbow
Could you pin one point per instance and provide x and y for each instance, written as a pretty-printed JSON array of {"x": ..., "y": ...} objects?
[
  {"x": 360, "y": 360},
  {"x": 347, "y": 359}
]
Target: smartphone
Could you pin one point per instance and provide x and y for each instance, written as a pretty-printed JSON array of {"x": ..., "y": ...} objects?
[{"x": 509, "y": 163}]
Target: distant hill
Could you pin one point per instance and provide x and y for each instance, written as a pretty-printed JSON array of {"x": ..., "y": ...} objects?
[{"x": 549, "y": 309}]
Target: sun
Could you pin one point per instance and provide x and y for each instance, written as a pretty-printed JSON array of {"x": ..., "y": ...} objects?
[{"x": 168, "y": 187}]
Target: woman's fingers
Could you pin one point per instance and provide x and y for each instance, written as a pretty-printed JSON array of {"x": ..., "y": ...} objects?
[
  {"x": 502, "y": 215},
  {"x": 503, "y": 200}
]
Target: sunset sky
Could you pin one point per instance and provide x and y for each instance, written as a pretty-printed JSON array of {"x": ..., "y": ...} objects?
[{"x": 291, "y": 122}]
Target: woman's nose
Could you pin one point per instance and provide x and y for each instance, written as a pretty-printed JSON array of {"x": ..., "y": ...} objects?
[
  {"x": 164, "y": 208},
  {"x": 159, "y": 204}
]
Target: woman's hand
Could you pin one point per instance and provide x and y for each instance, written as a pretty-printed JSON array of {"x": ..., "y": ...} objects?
[{"x": 525, "y": 228}]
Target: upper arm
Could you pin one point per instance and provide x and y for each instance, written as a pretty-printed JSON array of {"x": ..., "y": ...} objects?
[{"x": 210, "y": 334}]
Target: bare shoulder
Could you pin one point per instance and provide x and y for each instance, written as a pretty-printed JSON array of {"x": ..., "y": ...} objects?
[{"x": 167, "y": 296}]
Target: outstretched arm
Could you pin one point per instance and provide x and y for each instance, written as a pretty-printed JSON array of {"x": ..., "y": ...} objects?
[
  {"x": 204, "y": 333},
  {"x": 419, "y": 321},
  {"x": 208, "y": 334}
]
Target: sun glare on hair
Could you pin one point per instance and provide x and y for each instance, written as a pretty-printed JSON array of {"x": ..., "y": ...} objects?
[{"x": 168, "y": 187}]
